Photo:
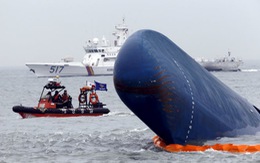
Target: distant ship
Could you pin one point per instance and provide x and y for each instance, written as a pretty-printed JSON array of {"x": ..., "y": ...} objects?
[
  {"x": 99, "y": 58},
  {"x": 227, "y": 63}
]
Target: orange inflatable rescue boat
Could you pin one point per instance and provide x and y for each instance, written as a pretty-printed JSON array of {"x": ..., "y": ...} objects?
[{"x": 54, "y": 105}]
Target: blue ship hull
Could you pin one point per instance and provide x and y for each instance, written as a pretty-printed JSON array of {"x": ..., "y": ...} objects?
[{"x": 175, "y": 97}]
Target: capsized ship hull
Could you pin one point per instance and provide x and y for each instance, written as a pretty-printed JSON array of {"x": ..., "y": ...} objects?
[{"x": 176, "y": 97}]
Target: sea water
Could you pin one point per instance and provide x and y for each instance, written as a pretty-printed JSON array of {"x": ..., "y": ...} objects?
[{"x": 117, "y": 137}]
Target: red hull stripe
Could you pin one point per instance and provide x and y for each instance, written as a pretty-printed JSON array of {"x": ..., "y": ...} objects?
[{"x": 90, "y": 70}]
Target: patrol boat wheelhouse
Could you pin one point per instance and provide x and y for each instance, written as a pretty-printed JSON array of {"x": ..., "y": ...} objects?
[{"x": 99, "y": 58}]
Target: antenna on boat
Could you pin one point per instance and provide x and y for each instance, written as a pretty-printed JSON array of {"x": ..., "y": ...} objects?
[
  {"x": 123, "y": 20},
  {"x": 120, "y": 33},
  {"x": 229, "y": 53}
]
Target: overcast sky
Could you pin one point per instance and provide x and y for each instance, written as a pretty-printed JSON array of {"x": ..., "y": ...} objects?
[{"x": 48, "y": 30}]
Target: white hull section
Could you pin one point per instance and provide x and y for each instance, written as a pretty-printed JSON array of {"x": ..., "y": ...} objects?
[
  {"x": 68, "y": 69},
  {"x": 99, "y": 58}
]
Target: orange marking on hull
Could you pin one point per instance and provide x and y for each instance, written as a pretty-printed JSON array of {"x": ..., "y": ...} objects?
[{"x": 234, "y": 148}]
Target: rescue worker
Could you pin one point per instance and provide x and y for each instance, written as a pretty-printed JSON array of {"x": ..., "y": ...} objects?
[
  {"x": 48, "y": 96},
  {"x": 93, "y": 97},
  {"x": 66, "y": 100},
  {"x": 57, "y": 97}
]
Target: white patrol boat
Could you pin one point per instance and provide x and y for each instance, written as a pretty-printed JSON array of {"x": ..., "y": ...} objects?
[{"x": 99, "y": 58}]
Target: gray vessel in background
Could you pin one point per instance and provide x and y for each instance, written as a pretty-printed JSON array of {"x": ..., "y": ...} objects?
[{"x": 226, "y": 63}]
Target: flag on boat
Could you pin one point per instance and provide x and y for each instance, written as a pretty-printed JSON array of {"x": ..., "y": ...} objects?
[{"x": 100, "y": 86}]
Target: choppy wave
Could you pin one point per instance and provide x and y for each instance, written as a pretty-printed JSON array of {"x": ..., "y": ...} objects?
[
  {"x": 115, "y": 145},
  {"x": 73, "y": 147},
  {"x": 116, "y": 113},
  {"x": 250, "y": 70}
]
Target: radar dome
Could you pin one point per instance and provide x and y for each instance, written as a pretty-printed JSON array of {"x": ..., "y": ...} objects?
[{"x": 95, "y": 40}]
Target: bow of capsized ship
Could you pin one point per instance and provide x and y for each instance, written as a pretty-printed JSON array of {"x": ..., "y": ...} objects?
[{"x": 174, "y": 96}]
